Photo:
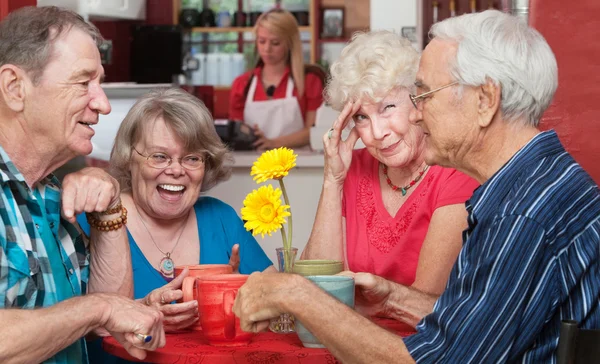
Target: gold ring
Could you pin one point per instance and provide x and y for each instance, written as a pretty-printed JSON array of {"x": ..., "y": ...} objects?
[
  {"x": 330, "y": 133},
  {"x": 162, "y": 299},
  {"x": 144, "y": 338}
]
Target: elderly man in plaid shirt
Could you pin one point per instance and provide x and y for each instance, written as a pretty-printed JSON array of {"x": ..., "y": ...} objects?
[{"x": 50, "y": 95}]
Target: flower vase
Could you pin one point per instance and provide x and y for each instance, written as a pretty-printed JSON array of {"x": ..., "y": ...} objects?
[{"x": 284, "y": 324}]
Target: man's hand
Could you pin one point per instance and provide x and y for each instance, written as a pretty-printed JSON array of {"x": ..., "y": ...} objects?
[
  {"x": 88, "y": 190},
  {"x": 123, "y": 318},
  {"x": 177, "y": 316},
  {"x": 371, "y": 295},
  {"x": 260, "y": 298}
]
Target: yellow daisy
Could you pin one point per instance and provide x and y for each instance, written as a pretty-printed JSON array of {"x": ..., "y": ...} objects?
[
  {"x": 273, "y": 164},
  {"x": 263, "y": 211}
]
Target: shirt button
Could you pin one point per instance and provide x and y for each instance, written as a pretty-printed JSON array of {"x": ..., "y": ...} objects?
[
  {"x": 52, "y": 225},
  {"x": 71, "y": 270},
  {"x": 37, "y": 226}
]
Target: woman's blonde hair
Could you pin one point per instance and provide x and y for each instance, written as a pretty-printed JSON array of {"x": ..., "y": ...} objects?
[
  {"x": 188, "y": 118},
  {"x": 283, "y": 23},
  {"x": 370, "y": 66}
]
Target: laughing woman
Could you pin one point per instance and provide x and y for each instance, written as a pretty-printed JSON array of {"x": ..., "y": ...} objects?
[{"x": 166, "y": 153}]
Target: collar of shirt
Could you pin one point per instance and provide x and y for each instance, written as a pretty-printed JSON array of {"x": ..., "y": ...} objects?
[
  {"x": 493, "y": 190},
  {"x": 280, "y": 87}
]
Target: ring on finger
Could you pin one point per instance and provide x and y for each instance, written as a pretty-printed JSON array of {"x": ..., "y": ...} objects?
[
  {"x": 162, "y": 299},
  {"x": 144, "y": 338},
  {"x": 330, "y": 133}
]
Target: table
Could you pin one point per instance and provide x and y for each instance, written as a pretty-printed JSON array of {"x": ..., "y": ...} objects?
[{"x": 266, "y": 347}]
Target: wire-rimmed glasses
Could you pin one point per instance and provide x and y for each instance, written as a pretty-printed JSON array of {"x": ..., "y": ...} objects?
[
  {"x": 416, "y": 100},
  {"x": 161, "y": 160}
]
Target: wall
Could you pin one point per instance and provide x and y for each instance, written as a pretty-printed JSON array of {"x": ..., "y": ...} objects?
[
  {"x": 158, "y": 12},
  {"x": 6, "y": 6},
  {"x": 571, "y": 29}
]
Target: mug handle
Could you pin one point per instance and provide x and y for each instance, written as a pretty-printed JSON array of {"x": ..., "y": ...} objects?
[
  {"x": 228, "y": 300},
  {"x": 189, "y": 289}
]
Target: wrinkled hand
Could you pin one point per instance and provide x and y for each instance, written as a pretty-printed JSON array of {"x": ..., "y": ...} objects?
[
  {"x": 338, "y": 152},
  {"x": 234, "y": 260},
  {"x": 258, "y": 300},
  {"x": 262, "y": 143},
  {"x": 371, "y": 294},
  {"x": 88, "y": 190},
  {"x": 177, "y": 316},
  {"x": 125, "y": 317}
]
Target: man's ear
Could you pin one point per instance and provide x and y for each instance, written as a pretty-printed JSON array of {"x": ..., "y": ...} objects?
[
  {"x": 489, "y": 95},
  {"x": 12, "y": 87}
]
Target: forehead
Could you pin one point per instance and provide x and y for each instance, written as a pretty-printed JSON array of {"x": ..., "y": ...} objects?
[
  {"x": 434, "y": 67},
  {"x": 264, "y": 33},
  {"x": 74, "y": 54}
]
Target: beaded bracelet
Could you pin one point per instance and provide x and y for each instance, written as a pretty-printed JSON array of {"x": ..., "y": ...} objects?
[
  {"x": 107, "y": 225},
  {"x": 114, "y": 210}
]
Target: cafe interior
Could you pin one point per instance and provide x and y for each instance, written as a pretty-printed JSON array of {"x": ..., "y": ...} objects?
[{"x": 203, "y": 46}]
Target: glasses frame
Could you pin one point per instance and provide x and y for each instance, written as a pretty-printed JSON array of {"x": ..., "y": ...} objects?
[
  {"x": 171, "y": 160},
  {"x": 418, "y": 98}
]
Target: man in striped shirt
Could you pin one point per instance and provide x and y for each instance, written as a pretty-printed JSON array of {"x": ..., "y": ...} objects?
[
  {"x": 531, "y": 252},
  {"x": 50, "y": 94}
]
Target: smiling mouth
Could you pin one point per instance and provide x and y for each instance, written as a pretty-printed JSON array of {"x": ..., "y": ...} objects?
[
  {"x": 172, "y": 188},
  {"x": 391, "y": 146},
  {"x": 84, "y": 123}
]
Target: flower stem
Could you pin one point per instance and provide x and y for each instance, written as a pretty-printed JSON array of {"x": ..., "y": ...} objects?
[{"x": 287, "y": 202}]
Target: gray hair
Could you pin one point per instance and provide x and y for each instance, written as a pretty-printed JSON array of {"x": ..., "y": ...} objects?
[
  {"x": 28, "y": 34},
  {"x": 189, "y": 119},
  {"x": 370, "y": 66},
  {"x": 500, "y": 47}
]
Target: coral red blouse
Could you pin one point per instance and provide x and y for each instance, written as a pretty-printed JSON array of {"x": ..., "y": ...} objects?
[
  {"x": 389, "y": 246},
  {"x": 312, "y": 99}
]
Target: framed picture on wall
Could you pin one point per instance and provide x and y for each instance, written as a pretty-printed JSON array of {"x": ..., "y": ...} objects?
[{"x": 332, "y": 22}]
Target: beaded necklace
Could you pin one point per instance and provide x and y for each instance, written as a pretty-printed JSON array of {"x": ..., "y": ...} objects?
[{"x": 408, "y": 186}]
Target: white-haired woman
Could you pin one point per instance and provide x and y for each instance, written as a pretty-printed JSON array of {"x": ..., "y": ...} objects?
[
  {"x": 280, "y": 96},
  {"x": 383, "y": 210}
]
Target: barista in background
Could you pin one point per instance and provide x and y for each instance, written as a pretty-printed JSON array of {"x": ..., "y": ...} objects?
[{"x": 279, "y": 98}]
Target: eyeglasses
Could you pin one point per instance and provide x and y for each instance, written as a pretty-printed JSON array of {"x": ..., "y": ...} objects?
[
  {"x": 162, "y": 160},
  {"x": 416, "y": 100}
]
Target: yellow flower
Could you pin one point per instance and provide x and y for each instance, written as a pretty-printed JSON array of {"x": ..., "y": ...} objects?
[
  {"x": 273, "y": 164},
  {"x": 263, "y": 211}
]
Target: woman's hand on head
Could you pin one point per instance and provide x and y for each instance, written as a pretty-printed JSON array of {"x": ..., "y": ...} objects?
[
  {"x": 338, "y": 152},
  {"x": 177, "y": 316}
]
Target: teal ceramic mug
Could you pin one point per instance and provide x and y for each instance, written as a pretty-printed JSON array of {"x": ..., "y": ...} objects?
[{"x": 340, "y": 287}]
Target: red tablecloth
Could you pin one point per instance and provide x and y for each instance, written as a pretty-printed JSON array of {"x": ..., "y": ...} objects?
[{"x": 265, "y": 347}]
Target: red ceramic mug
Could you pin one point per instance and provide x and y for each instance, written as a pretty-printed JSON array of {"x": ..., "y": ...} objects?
[
  {"x": 219, "y": 324},
  {"x": 189, "y": 283}
]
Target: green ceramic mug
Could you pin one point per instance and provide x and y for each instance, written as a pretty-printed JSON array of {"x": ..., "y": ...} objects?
[
  {"x": 341, "y": 288},
  {"x": 318, "y": 267}
]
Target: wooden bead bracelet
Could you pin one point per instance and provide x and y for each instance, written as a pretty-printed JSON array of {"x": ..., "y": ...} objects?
[{"x": 107, "y": 225}]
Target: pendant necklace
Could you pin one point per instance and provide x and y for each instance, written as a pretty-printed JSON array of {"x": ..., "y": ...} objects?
[
  {"x": 408, "y": 186},
  {"x": 166, "y": 265}
]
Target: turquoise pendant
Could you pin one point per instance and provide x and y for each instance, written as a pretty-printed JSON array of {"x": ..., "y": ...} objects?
[
  {"x": 167, "y": 266},
  {"x": 403, "y": 191}
]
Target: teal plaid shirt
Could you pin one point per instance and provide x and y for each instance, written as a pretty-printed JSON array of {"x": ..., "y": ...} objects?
[{"x": 26, "y": 278}]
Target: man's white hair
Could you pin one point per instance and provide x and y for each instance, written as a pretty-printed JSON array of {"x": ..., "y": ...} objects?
[{"x": 499, "y": 47}]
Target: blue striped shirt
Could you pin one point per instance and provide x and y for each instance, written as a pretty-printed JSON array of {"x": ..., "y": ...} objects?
[
  {"x": 31, "y": 233},
  {"x": 530, "y": 259}
]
